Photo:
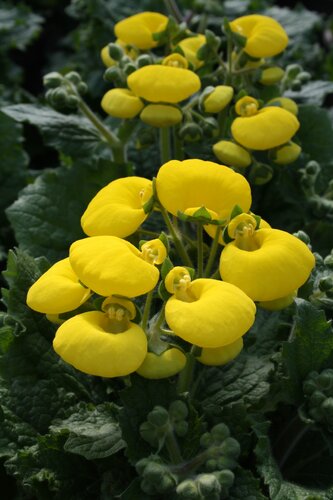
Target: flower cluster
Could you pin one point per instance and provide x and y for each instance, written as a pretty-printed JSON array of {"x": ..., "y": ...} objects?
[{"x": 204, "y": 314}]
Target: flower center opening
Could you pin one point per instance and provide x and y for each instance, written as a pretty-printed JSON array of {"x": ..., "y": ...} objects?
[{"x": 118, "y": 318}]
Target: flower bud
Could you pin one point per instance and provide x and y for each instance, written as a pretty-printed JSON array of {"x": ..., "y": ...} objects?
[
  {"x": 218, "y": 99},
  {"x": 165, "y": 365},
  {"x": 178, "y": 410},
  {"x": 271, "y": 76},
  {"x": 115, "y": 51},
  {"x": 74, "y": 77},
  {"x": 221, "y": 355},
  {"x": 52, "y": 80},
  {"x": 190, "y": 132},
  {"x": 209, "y": 486},
  {"x": 143, "y": 60},
  {"x": 121, "y": 103},
  {"x": 285, "y": 154},
  {"x": 230, "y": 153},
  {"x": 161, "y": 115},
  {"x": 188, "y": 490}
]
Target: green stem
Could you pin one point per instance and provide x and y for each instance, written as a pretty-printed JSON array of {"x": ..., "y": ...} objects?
[
  {"x": 200, "y": 249},
  {"x": 293, "y": 445},
  {"x": 146, "y": 310},
  {"x": 178, "y": 145},
  {"x": 186, "y": 376},
  {"x": 165, "y": 146},
  {"x": 215, "y": 275},
  {"x": 213, "y": 250},
  {"x": 229, "y": 61},
  {"x": 172, "y": 7},
  {"x": 109, "y": 136},
  {"x": 177, "y": 241},
  {"x": 172, "y": 446},
  {"x": 222, "y": 121},
  {"x": 203, "y": 23}
]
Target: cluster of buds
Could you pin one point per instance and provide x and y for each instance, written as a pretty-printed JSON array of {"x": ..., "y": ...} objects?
[
  {"x": 64, "y": 91},
  {"x": 318, "y": 391}
]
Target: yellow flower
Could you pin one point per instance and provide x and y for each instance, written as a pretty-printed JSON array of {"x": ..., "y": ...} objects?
[
  {"x": 247, "y": 106},
  {"x": 232, "y": 154},
  {"x": 265, "y": 36},
  {"x": 117, "y": 209},
  {"x": 176, "y": 60},
  {"x": 288, "y": 153},
  {"x": 285, "y": 103},
  {"x": 266, "y": 264},
  {"x": 164, "y": 365},
  {"x": 211, "y": 229},
  {"x": 161, "y": 115},
  {"x": 218, "y": 99},
  {"x": 154, "y": 251},
  {"x": 268, "y": 128},
  {"x": 209, "y": 313},
  {"x": 183, "y": 185},
  {"x": 159, "y": 83},
  {"x": 57, "y": 291},
  {"x": 138, "y": 30},
  {"x": 190, "y": 47},
  {"x": 112, "y": 266},
  {"x": 86, "y": 342},
  {"x": 221, "y": 355},
  {"x": 270, "y": 76},
  {"x": 121, "y": 103}
]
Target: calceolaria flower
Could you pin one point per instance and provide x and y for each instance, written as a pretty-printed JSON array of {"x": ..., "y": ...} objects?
[
  {"x": 190, "y": 47},
  {"x": 262, "y": 129},
  {"x": 183, "y": 186},
  {"x": 163, "y": 83},
  {"x": 216, "y": 100},
  {"x": 232, "y": 154},
  {"x": 285, "y": 154},
  {"x": 157, "y": 366},
  {"x": 138, "y": 30},
  {"x": 267, "y": 264},
  {"x": 271, "y": 76},
  {"x": 118, "y": 208},
  {"x": 221, "y": 355},
  {"x": 161, "y": 115},
  {"x": 58, "y": 290},
  {"x": 111, "y": 266},
  {"x": 207, "y": 312},
  {"x": 106, "y": 344},
  {"x": 265, "y": 37},
  {"x": 121, "y": 103}
]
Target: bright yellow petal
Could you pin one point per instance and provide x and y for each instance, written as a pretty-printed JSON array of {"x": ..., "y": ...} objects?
[
  {"x": 158, "y": 83},
  {"x": 167, "y": 364},
  {"x": 281, "y": 264},
  {"x": 221, "y": 355},
  {"x": 57, "y": 291},
  {"x": 232, "y": 154},
  {"x": 116, "y": 210},
  {"x": 270, "y": 127},
  {"x": 84, "y": 342},
  {"x": 190, "y": 47},
  {"x": 112, "y": 266},
  {"x": 218, "y": 99},
  {"x": 138, "y": 30},
  {"x": 197, "y": 183},
  {"x": 121, "y": 103},
  {"x": 218, "y": 315},
  {"x": 161, "y": 115}
]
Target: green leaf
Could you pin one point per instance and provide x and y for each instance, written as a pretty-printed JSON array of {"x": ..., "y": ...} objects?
[
  {"x": 267, "y": 333},
  {"x": 46, "y": 217},
  {"x": 311, "y": 92},
  {"x": 13, "y": 161},
  {"x": 245, "y": 380},
  {"x": 73, "y": 135},
  {"x": 138, "y": 401},
  {"x": 310, "y": 347},
  {"x": 316, "y": 133},
  {"x": 93, "y": 432},
  {"x": 18, "y": 26},
  {"x": 245, "y": 487}
]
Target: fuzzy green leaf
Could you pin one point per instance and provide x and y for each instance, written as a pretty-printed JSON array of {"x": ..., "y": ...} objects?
[
  {"x": 310, "y": 347},
  {"x": 18, "y": 26},
  {"x": 312, "y": 92},
  {"x": 296, "y": 22},
  {"x": 93, "y": 432},
  {"x": 316, "y": 133},
  {"x": 46, "y": 217},
  {"x": 245, "y": 487}
]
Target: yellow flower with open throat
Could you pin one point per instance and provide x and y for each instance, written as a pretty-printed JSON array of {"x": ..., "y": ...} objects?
[
  {"x": 111, "y": 266},
  {"x": 138, "y": 29},
  {"x": 117, "y": 209},
  {"x": 265, "y": 37},
  {"x": 207, "y": 312},
  {"x": 58, "y": 290}
]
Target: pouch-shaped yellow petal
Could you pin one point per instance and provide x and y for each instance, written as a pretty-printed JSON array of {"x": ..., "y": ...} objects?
[
  {"x": 265, "y": 36},
  {"x": 84, "y": 342},
  {"x": 158, "y": 83},
  {"x": 112, "y": 266},
  {"x": 232, "y": 154},
  {"x": 217, "y": 315},
  {"x": 165, "y": 365},
  {"x": 287, "y": 153},
  {"x": 197, "y": 183},
  {"x": 161, "y": 115},
  {"x": 218, "y": 99},
  {"x": 285, "y": 103},
  {"x": 116, "y": 210},
  {"x": 221, "y": 355},
  {"x": 281, "y": 264},
  {"x": 57, "y": 291},
  {"x": 121, "y": 103},
  {"x": 138, "y": 30},
  {"x": 190, "y": 47},
  {"x": 270, "y": 76},
  {"x": 270, "y": 127}
]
